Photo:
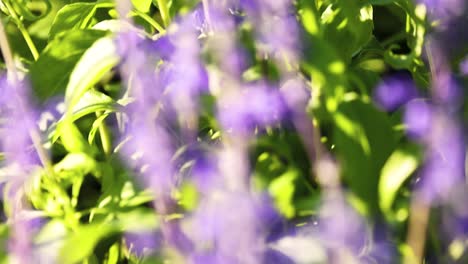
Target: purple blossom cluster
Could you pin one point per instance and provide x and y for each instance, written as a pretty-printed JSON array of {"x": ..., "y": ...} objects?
[
  {"x": 164, "y": 116},
  {"x": 199, "y": 56},
  {"x": 18, "y": 133},
  {"x": 433, "y": 119},
  {"x": 444, "y": 9}
]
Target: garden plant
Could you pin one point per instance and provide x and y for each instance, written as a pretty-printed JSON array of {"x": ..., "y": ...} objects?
[{"x": 233, "y": 131}]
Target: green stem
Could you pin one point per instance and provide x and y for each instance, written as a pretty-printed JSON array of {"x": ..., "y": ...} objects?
[
  {"x": 164, "y": 10},
  {"x": 105, "y": 138},
  {"x": 397, "y": 37},
  {"x": 23, "y": 30},
  {"x": 148, "y": 19},
  {"x": 6, "y": 51},
  {"x": 29, "y": 41}
]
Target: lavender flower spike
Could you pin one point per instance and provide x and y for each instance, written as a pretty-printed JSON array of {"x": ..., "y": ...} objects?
[{"x": 20, "y": 157}]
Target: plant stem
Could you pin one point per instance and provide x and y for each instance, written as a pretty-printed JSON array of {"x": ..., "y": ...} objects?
[
  {"x": 104, "y": 134},
  {"x": 6, "y": 51},
  {"x": 23, "y": 30},
  {"x": 397, "y": 37},
  {"x": 148, "y": 19},
  {"x": 417, "y": 229},
  {"x": 164, "y": 10},
  {"x": 29, "y": 41}
]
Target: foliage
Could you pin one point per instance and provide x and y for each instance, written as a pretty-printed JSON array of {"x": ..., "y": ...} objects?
[{"x": 243, "y": 131}]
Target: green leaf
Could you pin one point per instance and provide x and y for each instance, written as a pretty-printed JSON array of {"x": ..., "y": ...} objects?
[
  {"x": 51, "y": 232},
  {"x": 189, "y": 196},
  {"x": 75, "y": 16},
  {"x": 138, "y": 220},
  {"x": 364, "y": 139},
  {"x": 398, "y": 167},
  {"x": 82, "y": 243},
  {"x": 72, "y": 16},
  {"x": 381, "y": 2},
  {"x": 72, "y": 139},
  {"x": 309, "y": 17},
  {"x": 101, "y": 57},
  {"x": 328, "y": 74},
  {"x": 282, "y": 191},
  {"x": 78, "y": 162},
  {"x": 93, "y": 101},
  {"x": 142, "y": 5},
  {"x": 114, "y": 254},
  {"x": 347, "y": 22},
  {"x": 95, "y": 127},
  {"x": 50, "y": 73},
  {"x": 415, "y": 34}
]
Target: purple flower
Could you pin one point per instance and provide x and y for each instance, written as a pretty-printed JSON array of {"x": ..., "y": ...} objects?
[
  {"x": 274, "y": 256},
  {"x": 445, "y": 158},
  {"x": 188, "y": 78},
  {"x": 150, "y": 149},
  {"x": 163, "y": 47},
  {"x": 141, "y": 243},
  {"x": 339, "y": 231},
  {"x": 446, "y": 89},
  {"x": 417, "y": 118},
  {"x": 219, "y": 18},
  {"x": 255, "y": 106},
  {"x": 225, "y": 236},
  {"x": 394, "y": 91},
  {"x": 296, "y": 94},
  {"x": 206, "y": 174},
  {"x": 20, "y": 120},
  {"x": 234, "y": 63},
  {"x": 51, "y": 112},
  {"x": 340, "y": 226},
  {"x": 272, "y": 21},
  {"x": 444, "y": 9},
  {"x": 464, "y": 67},
  {"x": 18, "y": 124},
  {"x": 127, "y": 42},
  {"x": 273, "y": 30},
  {"x": 454, "y": 216},
  {"x": 249, "y": 6}
]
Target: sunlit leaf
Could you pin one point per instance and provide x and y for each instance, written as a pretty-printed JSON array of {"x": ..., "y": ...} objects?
[
  {"x": 81, "y": 244},
  {"x": 399, "y": 166},
  {"x": 282, "y": 190},
  {"x": 364, "y": 139},
  {"x": 101, "y": 57},
  {"x": 76, "y": 16},
  {"x": 142, "y": 5},
  {"x": 50, "y": 73}
]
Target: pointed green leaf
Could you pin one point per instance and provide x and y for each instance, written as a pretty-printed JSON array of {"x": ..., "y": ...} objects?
[
  {"x": 364, "y": 139},
  {"x": 50, "y": 73},
  {"x": 142, "y": 5},
  {"x": 398, "y": 167},
  {"x": 75, "y": 16},
  {"x": 100, "y": 58}
]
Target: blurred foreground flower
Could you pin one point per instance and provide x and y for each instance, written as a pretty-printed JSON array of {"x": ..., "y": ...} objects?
[
  {"x": 18, "y": 126},
  {"x": 394, "y": 92}
]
